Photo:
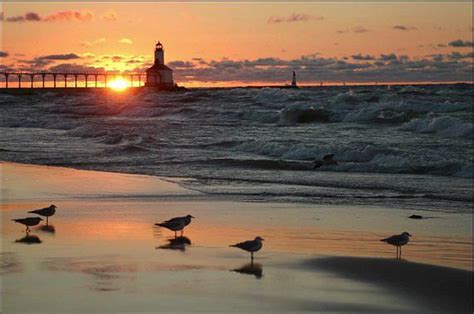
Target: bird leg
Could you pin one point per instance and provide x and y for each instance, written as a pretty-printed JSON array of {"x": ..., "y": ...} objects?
[
  {"x": 175, "y": 235},
  {"x": 251, "y": 256},
  {"x": 400, "y": 252},
  {"x": 182, "y": 231},
  {"x": 46, "y": 221}
]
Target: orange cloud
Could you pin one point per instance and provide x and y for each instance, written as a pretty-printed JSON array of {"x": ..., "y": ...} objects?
[
  {"x": 86, "y": 43},
  {"x": 53, "y": 17},
  {"x": 295, "y": 17},
  {"x": 126, "y": 41},
  {"x": 109, "y": 16},
  {"x": 69, "y": 16}
]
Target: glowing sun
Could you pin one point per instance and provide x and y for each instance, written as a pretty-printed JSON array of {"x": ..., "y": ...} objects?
[{"x": 119, "y": 84}]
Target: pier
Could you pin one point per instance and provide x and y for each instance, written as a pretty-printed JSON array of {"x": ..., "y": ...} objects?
[{"x": 61, "y": 79}]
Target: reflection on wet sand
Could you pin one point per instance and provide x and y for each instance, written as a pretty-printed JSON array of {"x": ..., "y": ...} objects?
[
  {"x": 250, "y": 269},
  {"x": 178, "y": 243},
  {"x": 9, "y": 263},
  {"x": 29, "y": 239},
  {"x": 109, "y": 274},
  {"x": 47, "y": 228}
]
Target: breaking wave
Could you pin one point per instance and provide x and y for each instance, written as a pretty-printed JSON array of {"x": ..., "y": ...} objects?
[
  {"x": 444, "y": 126},
  {"x": 417, "y": 133}
]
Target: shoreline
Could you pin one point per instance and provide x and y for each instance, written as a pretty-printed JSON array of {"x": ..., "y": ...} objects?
[
  {"x": 437, "y": 288},
  {"x": 321, "y": 229},
  {"x": 104, "y": 248}
]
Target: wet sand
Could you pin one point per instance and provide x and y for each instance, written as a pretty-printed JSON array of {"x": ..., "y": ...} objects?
[
  {"x": 101, "y": 252},
  {"x": 435, "y": 288}
]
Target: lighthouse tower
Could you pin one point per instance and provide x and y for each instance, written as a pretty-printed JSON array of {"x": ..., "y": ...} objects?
[
  {"x": 293, "y": 81},
  {"x": 159, "y": 54},
  {"x": 159, "y": 75}
]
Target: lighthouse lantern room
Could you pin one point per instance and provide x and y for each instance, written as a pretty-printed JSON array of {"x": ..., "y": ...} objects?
[{"x": 159, "y": 75}]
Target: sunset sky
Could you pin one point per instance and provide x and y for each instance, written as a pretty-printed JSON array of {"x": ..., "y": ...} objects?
[{"x": 241, "y": 43}]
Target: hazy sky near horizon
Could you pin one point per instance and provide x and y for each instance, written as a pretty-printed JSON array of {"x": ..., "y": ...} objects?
[{"x": 243, "y": 41}]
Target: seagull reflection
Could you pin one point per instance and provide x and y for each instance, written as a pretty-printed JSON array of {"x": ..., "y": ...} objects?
[
  {"x": 250, "y": 269},
  {"x": 47, "y": 228},
  {"x": 29, "y": 239},
  {"x": 178, "y": 243}
]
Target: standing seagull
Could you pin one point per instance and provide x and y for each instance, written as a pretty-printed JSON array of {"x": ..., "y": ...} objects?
[
  {"x": 45, "y": 212},
  {"x": 28, "y": 222},
  {"x": 176, "y": 224},
  {"x": 250, "y": 246},
  {"x": 398, "y": 241}
]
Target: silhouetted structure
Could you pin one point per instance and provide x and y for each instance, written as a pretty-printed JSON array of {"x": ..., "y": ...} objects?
[
  {"x": 159, "y": 75},
  {"x": 293, "y": 81},
  {"x": 133, "y": 77}
]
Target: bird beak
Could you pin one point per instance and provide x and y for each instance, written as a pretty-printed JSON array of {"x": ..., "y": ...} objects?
[{"x": 193, "y": 217}]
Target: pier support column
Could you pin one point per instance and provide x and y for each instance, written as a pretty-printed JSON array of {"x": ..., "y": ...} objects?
[
  {"x": 65, "y": 80},
  {"x": 105, "y": 78},
  {"x": 54, "y": 80},
  {"x": 19, "y": 80},
  {"x": 95, "y": 78},
  {"x": 86, "y": 79},
  {"x": 75, "y": 80},
  {"x": 139, "y": 80},
  {"x": 42, "y": 78},
  {"x": 31, "y": 80},
  {"x": 6, "y": 79}
]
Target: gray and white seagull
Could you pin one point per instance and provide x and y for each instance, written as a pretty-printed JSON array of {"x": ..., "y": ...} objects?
[
  {"x": 176, "y": 224},
  {"x": 250, "y": 246},
  {"x": 45, "y": 212},
  {"x": 28, "y": 222},
  {"x": 398, "y": 241}
]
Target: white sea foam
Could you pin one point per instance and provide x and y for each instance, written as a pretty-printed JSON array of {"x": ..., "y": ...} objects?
[{"x": 444, "y": 126}]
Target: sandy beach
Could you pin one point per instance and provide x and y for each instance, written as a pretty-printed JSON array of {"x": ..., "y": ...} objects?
[{"x": 102, "y": 252}]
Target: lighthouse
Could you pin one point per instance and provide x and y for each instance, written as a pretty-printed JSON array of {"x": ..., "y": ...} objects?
[
  {"x": 159, "y": 75},
  {"x": 293, "y": 81}
]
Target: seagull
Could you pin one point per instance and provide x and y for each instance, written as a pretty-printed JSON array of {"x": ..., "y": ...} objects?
[
  {"x": 28, "y": 222},
  {"x": 250, "y": 246},
  {"x": 176, "y": 224},
  {"x": 398, "y": 240},
  {"x": 45, "y": 212},
  {"x": 326, "y": 161}
]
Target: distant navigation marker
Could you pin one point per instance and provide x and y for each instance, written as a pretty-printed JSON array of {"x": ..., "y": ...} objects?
[{"x": 293, "y": 81}]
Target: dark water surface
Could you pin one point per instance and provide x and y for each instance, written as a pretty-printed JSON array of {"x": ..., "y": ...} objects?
[{"x": 408, "y": 147}]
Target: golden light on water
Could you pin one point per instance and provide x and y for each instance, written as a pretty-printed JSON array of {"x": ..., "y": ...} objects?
[{"x": 118, "y": 84}]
